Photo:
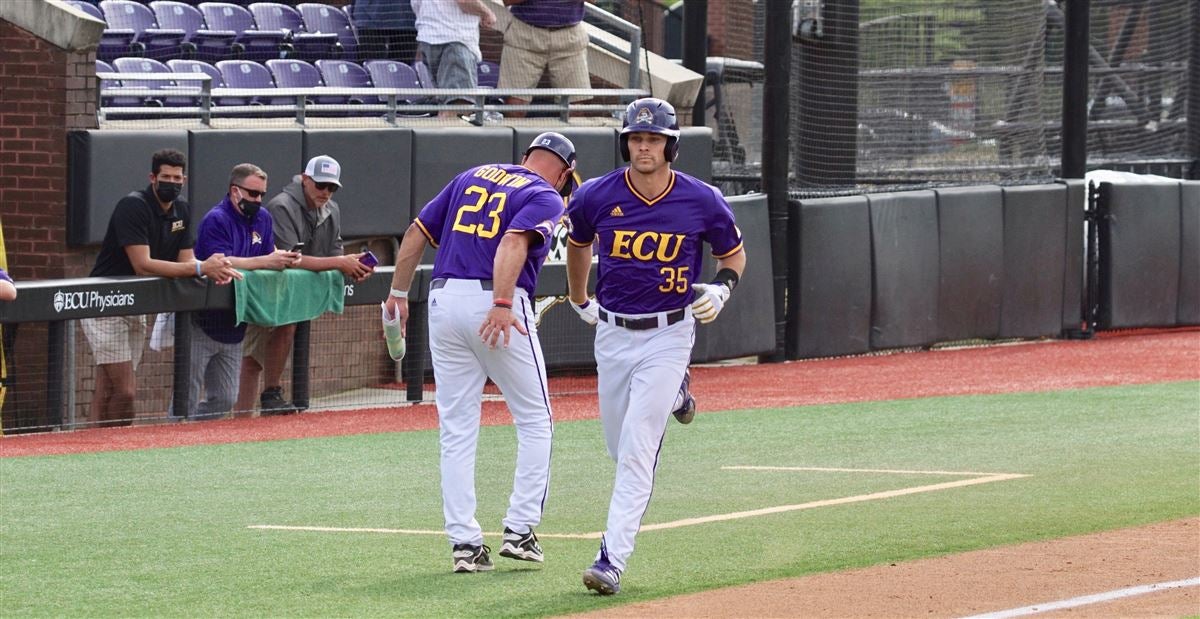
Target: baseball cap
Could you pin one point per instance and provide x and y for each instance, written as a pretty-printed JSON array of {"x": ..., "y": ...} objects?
[{"x": 324, "y": 169}]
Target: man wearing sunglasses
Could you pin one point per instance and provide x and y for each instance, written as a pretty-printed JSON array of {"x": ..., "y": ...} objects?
[
  {"x": 304, "y": 212},
  {"x": 241, "y": 229}
]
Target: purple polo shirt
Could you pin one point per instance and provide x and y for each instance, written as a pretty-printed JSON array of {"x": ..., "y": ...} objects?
[
  {"x": 549, "y": 13},
  {"x": 466, "y": 221},
  {"x": 225, "y": 231},
  {"x": 650, "y": 247}
]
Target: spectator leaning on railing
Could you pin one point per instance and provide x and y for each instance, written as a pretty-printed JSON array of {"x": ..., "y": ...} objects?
[
  {"x": 448, "y": 39},
  {"x": 149, "y": 233},
  {"x": 303, "y": 213},
  {"x": 240, "y": 229},
  {"x": 544, "y": 35}
]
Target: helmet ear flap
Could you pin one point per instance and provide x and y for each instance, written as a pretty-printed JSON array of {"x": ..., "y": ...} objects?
[{"x": 623, "y": 142}]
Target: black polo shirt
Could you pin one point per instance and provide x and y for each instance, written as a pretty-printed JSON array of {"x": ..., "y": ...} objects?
[{"x": 139, "y": 220}]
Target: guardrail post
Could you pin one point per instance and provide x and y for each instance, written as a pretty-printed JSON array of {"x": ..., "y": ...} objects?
[
  {"x": 56, "y": 341},
  {"x": 391, "y": 112},
  {"x": 206, "y": 103},
  {"x": 181, "y": 379},
  {"x": 300, "y": 373}
]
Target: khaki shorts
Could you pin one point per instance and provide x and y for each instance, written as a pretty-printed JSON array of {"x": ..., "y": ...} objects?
[
  {"x": 530, "y": 51},
  {"x": 116, "y": 339},
  {"x": 255, "y": 343}
]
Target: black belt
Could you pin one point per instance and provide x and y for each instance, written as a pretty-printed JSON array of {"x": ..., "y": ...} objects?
[
  {"x": 485, "y": 284},
  {"x": 641, "y": 324}
]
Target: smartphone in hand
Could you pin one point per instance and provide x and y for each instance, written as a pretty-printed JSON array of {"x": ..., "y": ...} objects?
[
  {"x": 369, "y": 259},
  {"x": 298, "y": 247}
]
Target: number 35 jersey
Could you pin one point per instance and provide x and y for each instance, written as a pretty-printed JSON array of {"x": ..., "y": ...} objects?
[
  {"x": 649, "y": 247},
  {"x": 467, "y": 220}
]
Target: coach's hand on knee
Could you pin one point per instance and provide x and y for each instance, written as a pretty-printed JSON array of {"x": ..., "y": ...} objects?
[
  {"x": 710, "y": 298},
  {"x": 589, "y": 311}
]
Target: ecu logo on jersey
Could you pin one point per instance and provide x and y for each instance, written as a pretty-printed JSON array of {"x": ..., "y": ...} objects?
[{"x": 646, "y": 246}]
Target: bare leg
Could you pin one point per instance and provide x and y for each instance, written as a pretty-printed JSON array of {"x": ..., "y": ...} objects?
[
  {"x": 279, "y": 346},
  {"x": 247, "y": 397},
  {"x": 122, "y": 390}
]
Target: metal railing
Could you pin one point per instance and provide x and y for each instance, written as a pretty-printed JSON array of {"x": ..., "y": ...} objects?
[
  {"x": 633, "y": 54},
  {"x": 393, "y": 103}
]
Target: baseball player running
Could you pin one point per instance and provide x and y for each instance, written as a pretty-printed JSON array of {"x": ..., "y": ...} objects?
[
  {"x": 490, "y": 227},
  {"x": 649, "y": 223}
]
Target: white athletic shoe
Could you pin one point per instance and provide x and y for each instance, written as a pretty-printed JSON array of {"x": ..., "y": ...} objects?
[
  {"x": 685, "y": 410},
  {"x": 522, "y": 547},
  {"x": 469, "y": 558}
]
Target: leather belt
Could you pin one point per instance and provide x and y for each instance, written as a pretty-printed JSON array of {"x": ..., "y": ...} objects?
[
  {"x": 485, "y": 284},
  {"x": 641, "y": 324}
]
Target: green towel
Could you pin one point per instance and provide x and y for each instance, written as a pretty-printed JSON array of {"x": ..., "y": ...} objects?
[{"x": 273, "y": 298}]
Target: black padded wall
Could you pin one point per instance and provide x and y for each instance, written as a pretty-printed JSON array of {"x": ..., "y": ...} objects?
[
  {"x": 595, "y": 148},
  {"x": 376, "y": 191},
  {"x": 104, "y": 166},
  {"x": 1189, "y": 254},
  {"x": 829, "y": 304},
  {"x": 739, "y": 330},
  {"x": 695, "y": 153},
  {"x": 212, "y": 154},
  {"x": 971, "y": 262},
  {"x": 1035, "y": 223},
  {"x": 904, "y": 258},
  {"x": 1074, "y": 259},
  {"x": 1139, "y": 255}
]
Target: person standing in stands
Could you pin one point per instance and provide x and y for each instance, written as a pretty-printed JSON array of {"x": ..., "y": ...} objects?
[
  {"x": 386, "y": 29},
  {"x": 239, "y": 229},
  {"x": 149, "y": 233},
  {"x": 303, "y": 213},
  {"x": 448, "y": 39},
  {"x": 544, "y": 36}
]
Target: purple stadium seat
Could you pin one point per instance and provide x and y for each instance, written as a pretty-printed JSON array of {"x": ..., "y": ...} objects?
[
  {"x": 159, "y": 43},
  {"x": 323, "y": 18},
  {"x": 114, "y": 42},
  {"x": 292, "y": 73},
  {"x": 250, "y": 43},
  {"x": 307, "y": 45},
  {"x": 424, "y": 75},
  {"x": 209, "y": 45},
  {"x": 111, "y": 101},
  {"x": 249, "y": 74},
  {"x": 488, "y": 73},
  {"x": 199, "y": 66},
  {"x": 393, "y": 74},
  {"x": 346, "y": 74},
  {"x": 150, "y": 65}
]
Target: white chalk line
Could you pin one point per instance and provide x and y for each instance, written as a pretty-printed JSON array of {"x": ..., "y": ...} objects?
[
  {"x": 687, "y": 522},
  {"x": 1085, "y": 600}
]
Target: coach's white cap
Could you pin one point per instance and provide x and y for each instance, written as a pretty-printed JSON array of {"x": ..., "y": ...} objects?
[{"x": 324, "y": 169}]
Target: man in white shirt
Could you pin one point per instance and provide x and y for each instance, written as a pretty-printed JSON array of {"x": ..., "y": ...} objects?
[{"x": 448, "y": 41}]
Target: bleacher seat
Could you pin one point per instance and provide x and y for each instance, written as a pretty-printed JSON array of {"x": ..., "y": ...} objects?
[
  {"x": 208, "y": 45},
  {"x": 488, "y": 74},
  {"x": 424, "y": 75},
  {"x": 114, "y": 42},
  {"x": 346, "y": 74},
  {"x": 250, "y": 43},
  {"x": 133, "y": 66},
  {"x": 292, "y": 73},
  {"x": 249, "y": 74},
  {"x": 393, "y": 74},
  {"x": 154, "y": 42},
  {"x": 305, "y": 45},
  {"x": 199, "y": 66},
  {"x": 324, "y": 18},
  {"x": 106, "y": 84}
]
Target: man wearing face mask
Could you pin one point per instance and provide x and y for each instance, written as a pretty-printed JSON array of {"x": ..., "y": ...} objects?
[
  {"x": 149, "y": 233},
  {"x": 239, "y": 229}
]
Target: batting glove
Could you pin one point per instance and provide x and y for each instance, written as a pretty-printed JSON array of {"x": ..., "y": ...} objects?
[
  {"x": 589, "y": 312},
  {"x": 710, "y": 298}
]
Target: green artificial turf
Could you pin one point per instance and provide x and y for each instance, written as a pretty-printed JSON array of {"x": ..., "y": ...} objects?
[{"x": 165, "y": 532}]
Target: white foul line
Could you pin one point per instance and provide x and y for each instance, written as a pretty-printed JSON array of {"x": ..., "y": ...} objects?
[
  {"x": 1084, "y": 600},
  {"x": 686, "y": 522}
]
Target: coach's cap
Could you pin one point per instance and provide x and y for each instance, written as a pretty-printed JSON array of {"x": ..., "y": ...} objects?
[{"x": 324, "y": 169}]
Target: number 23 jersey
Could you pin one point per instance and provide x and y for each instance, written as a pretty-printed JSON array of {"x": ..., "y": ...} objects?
[
  {"x": 649, "y": 248},
  {"x": 467, "y": 220}
]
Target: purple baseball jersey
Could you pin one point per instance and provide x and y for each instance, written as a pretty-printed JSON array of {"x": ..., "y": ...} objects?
[
  {"x": 466, "y": 221},
  {"x": 650, "y": 248}
]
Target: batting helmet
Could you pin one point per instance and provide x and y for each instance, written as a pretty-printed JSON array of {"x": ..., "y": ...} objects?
[
  {"x": 558, "y": 144},
  {"x": 650, "y": 115}
]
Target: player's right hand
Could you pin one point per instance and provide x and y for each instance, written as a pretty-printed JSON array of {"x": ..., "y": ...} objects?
[{"x": 589, "y": 311}]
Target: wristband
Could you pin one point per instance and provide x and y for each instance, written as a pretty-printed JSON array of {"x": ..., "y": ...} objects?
[
  {"x": 399, "y": 294},
  {"x": 199, "y": 273},
  {"x": 505, "y": 303},
  {"x": 728, "y": 277}
]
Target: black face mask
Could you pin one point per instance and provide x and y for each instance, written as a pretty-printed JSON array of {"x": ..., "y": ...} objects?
[
  {"x": 167, "y": 192},
  {"x": 249, "y": 209}
]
